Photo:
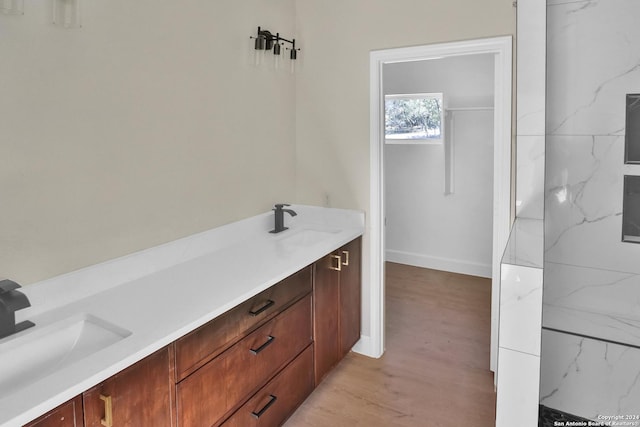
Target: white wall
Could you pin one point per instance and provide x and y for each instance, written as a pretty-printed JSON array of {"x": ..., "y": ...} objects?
[
  {"x": 145, "y": 125},
  {"x": 332, "y": 89},
  {"x": 466, "y": 81},
  {"x": 425, "y": 227}
]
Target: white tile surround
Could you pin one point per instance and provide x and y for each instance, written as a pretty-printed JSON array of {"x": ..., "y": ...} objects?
[
  {"x": 518, "y": 374},
  {"x": 593, "y": 60},
  {"x": 530, "y": 130},
  {"x": 530, "y": 165},
  {"x": 515, "y": 407},
  {"x": 613, "y": 296},
  {"x": 525, "y": 244},
  {"x": 520, "y": 325},
  {"x": 590, "y": 355},
  {"x": 520, "y": 308},
  {"x": 588, "y": 377},
  {"x": 584, "y": 178}
]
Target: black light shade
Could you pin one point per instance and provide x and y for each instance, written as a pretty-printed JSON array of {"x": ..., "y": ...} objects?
[{"x": 265, "y": 40}]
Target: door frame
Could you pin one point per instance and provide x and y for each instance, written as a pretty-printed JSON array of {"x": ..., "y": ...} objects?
[{"x": 374, "y": 344}]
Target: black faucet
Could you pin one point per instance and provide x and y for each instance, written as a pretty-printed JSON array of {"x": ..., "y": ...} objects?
[
  {"x": 10, "y": 302},
  {"x": 279, "y": 217}
]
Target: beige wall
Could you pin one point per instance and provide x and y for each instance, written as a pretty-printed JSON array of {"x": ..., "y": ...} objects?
[
  {"x": 149, "y": 124},
  {"x": 332, "y": 88},
  {"x": 146, "y": 125}
]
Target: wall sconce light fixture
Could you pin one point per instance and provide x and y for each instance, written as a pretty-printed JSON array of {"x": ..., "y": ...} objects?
[
  {"x": 66, "y": 13},
  {"x": 264, "y": 40},
  {"x": 12, "y": 7}
]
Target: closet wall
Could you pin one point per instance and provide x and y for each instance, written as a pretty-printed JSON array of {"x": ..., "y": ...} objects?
[{"x": 425, "y": 227}]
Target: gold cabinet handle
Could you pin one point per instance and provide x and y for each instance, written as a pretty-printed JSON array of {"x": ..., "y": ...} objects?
[
  {"x": 346, "y": 257},
  {"x": 107, "y": 421},
  {"x": 338, "y": 258}
]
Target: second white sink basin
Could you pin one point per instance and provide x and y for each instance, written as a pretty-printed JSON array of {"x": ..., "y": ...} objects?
[{"x": 31, "y": 356}]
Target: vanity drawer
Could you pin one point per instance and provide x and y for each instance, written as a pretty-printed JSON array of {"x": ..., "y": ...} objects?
[
  {"x": 273, "y": 404},
  {"x": 203, "y": 344},
  {"x": 223, "y": 383}
]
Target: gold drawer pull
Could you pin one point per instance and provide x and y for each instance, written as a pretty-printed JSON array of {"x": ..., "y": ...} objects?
[
  {"x": 338, "y": 267},
  {"x": 346, "y": 257},
  {"x": 107, "y": 421}
]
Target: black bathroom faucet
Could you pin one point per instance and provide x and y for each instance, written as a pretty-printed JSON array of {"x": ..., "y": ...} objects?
[
  {"x": 10, "y": 302},
  {"x": 279, "y": 217}
]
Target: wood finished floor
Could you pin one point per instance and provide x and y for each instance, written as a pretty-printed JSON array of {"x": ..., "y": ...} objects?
[{"x": 435, "y": 370}]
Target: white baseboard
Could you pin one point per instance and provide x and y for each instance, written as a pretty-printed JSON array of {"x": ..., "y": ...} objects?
[
  {"x": 366, "y": 347},
  {"x": 438, "y": 263}
]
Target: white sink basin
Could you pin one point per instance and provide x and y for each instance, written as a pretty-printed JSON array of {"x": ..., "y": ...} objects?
[
  {"x": 32, "y": 355},
  {"x": 306, "y": 237}
]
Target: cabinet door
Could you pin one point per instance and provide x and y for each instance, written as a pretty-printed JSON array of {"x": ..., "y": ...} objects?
[
  {"x": 141, "y": 395},
  {"x": 68, "y": 414},
  {"x": 350, "y": 300},
  {"x": 326, "y": 314}
]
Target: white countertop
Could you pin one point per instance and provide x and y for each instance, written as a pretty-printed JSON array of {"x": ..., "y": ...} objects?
[{"x": 162, "y": 293}]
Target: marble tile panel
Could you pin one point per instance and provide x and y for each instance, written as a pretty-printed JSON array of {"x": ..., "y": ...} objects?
[
  {"x": 594, "y": 290},
  {"x": 520, "y": 308},
  {"x": 606, "y": 326},
  {"x": 525, "y": 246},
  {"x": 588, "y": 377},
  {"x": 530, "y": 176},
  {"x": 518, "y": 387},
  {"x": 531, "y": 67},
  {"x": 583, "y": 203},
  {"x": 592, "y": 63}
]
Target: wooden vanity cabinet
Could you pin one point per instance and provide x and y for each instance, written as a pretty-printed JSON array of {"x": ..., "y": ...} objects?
[
  {"x": 141, "y": 395},
  {"x": 211, "y": 393},
  {"x": 337, "y": 306},
  {"x": 326, "y": 308},
  {"x": 252, "y": 366},
  {"x": 277, "y": 400},
  {"x": 208, "y": 341},
  {"x": 350, "y": 296},
  {"x": 69, "y": 414}
]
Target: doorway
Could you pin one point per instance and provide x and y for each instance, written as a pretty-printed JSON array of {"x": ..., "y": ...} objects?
[{"x": 500, "y": 49}]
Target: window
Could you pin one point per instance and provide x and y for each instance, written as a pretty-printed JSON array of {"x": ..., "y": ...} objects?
[{"x": 413, "y": 118}]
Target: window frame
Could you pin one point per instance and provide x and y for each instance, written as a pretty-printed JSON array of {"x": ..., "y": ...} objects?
[{"x": 417, "y": 141}]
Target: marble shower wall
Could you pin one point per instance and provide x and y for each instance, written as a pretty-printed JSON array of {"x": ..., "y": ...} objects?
[
  {"x": 584, "y": 182},
  {"x": 591, "y": 278},
  {"x": 589, "y": 378},
  {"x": 521, "y": 269},
  {"x": 593, "y": 61}
]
